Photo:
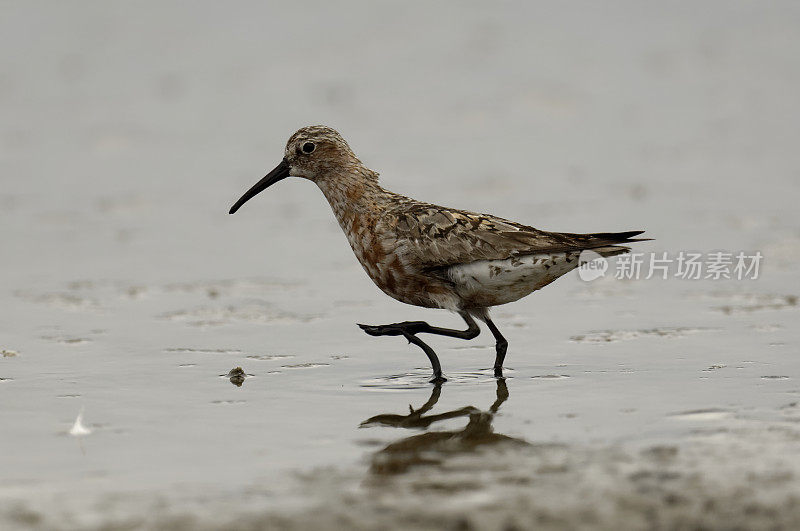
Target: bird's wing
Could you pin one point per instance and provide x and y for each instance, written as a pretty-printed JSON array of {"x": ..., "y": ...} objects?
[{"x": 436, "y": 237}]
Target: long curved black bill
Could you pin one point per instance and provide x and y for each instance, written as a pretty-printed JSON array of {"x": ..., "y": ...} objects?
[{"x": 279, "y": 173}]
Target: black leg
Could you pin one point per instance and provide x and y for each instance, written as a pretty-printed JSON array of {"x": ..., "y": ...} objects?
[
  {"x": 501, "y": 346},
  {"x": 421, "y": 327},
  {"x": 409, "y": 329},
  {"x": 437, "y": 368}
]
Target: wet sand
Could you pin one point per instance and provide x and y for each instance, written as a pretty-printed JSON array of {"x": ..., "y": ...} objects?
[{"x": 128, "y": 294}]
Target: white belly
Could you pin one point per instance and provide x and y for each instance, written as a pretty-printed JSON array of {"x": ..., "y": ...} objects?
[{"x": 492, "y": 282}]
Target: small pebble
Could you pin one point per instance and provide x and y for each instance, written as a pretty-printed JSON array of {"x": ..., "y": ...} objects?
[{"x": 237, "y": 376}]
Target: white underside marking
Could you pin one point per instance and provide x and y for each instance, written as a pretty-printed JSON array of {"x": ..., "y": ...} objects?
[
  {"x": 446, "y": 301},
  {"x": 500, "y": 281}
]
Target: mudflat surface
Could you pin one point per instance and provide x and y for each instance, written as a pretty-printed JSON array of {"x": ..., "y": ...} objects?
[{"x": 128, "y": 294}]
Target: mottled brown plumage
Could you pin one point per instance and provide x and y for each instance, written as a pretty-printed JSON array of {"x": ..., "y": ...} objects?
[{"x": 428, "y": 255}]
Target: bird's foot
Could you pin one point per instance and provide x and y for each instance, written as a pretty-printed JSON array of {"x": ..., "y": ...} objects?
[
  {"x": 394, "y": 329},
  {"x": 381, "y": 330},
  {"x": 438, "y": 379}
]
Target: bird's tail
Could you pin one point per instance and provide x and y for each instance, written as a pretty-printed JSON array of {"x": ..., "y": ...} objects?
[
  {"x": 607, "y": 243},
  {"x": 611, "y": 250},
  {"x": 615, "y": 237}
]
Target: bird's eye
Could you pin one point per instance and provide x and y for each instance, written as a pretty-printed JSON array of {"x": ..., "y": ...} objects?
[{"x": 309, "y": 147}]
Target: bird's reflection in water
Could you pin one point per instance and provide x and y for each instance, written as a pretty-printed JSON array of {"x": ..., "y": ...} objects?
[{"x": 433, "y": 448}]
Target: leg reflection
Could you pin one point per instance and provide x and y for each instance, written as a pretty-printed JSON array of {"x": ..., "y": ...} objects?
[
  {"x": 416, "y": 417},
  {"x": 434, "y": 447}
]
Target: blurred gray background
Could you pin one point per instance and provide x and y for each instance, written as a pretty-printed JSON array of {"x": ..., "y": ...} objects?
[{"x": 136, "y": 126}]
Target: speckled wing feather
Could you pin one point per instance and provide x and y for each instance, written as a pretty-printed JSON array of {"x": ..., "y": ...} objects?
[{"x": 437, "y": 237}]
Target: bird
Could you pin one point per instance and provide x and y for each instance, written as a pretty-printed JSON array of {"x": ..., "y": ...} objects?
[{"x": 428, "y": 255}]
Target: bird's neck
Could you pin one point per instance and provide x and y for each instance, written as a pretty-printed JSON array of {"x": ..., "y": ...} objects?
[{"x": 354, "y": 193}]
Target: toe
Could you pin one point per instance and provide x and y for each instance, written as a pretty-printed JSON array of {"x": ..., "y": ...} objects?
[{"x": 371, "y": 330}]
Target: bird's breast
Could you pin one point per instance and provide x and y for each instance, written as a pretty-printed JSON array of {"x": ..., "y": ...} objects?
[{"x": 378, "y": 251}]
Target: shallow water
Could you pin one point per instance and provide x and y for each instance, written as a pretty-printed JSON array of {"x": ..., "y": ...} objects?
[{"x": 128, "y": 294}]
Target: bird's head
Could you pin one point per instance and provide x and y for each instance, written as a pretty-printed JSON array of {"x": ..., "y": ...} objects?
[{"x": 315, "y": 152}]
